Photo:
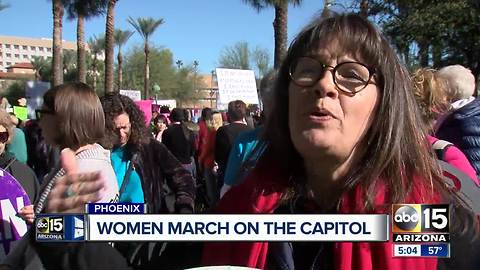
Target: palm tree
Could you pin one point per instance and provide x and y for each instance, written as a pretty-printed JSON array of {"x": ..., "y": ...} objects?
[
  {"x": 279, "y": 24},
  {"x": 145, "y": 27},
  {"x": 57, "y": 8},
  {"x": 97, "y": 46},
  {"x": 109, "y": 44},
  {"x": 179, "y": 64},
  {"x": 364, "y": 8},
  {"x": 38, "y": 63},
  {"x": 121, "y": 37},
  {"x": 83, "y": 10},
  {"x": 327, "y": 4},
  {"x": 195, "y": 70},
  {"x": 3, "y": 6}
]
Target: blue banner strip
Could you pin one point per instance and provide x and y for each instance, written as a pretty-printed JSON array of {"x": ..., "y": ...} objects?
[{"x": 116, "y": 208}]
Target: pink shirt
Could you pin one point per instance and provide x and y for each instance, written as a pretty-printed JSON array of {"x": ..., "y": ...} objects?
[{"x": 457, "y": 159}]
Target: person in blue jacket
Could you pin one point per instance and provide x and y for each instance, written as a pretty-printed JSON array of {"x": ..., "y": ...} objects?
[
  {"x": 461, "y": 126},
  {"x": 242, "y": 158}
]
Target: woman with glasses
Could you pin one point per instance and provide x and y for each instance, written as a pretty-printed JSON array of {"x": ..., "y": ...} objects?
[
  {"x": 21, "y": 172},
  {"x": 344, "y": 136},
  {"x": 72, "y": 117},
  {"x": 159, "y": 126}
]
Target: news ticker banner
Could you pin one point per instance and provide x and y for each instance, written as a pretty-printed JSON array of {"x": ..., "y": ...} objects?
[
  {"x": 238, "y": 227},
  {"x": 417, "y": 229},
  {"x": 127, "y": 222}
]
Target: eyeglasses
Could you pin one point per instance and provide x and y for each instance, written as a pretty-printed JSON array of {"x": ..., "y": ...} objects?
[
  {"x": 349, "y": 77},
  {"x": 41, "y": 112},
  {"x": 3, "y": 136}
]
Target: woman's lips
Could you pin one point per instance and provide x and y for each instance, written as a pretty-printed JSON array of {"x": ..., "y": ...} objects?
[{"x": 320, "y": 116}]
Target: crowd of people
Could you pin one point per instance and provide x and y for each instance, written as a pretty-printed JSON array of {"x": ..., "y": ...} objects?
[{"x": 346, "y": 128}]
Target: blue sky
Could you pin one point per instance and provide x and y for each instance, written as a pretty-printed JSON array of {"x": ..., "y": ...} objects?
[{"x": 193, "y": 29}]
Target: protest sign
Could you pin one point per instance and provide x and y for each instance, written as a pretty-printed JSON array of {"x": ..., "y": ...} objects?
[
  {"x": 20, "y": 112},
  {"x": 236, "y": 84},
  {"x": 12, "y": 198},
  {"x": 135, "y": 95},
  {"x": 146, "y": 107},
  {"x": 170, "y": 103}
]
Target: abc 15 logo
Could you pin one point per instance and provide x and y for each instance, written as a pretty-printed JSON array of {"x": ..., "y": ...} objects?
[
  {"x": 418, "y": 218},
  {"x": 49, "y": 225}
]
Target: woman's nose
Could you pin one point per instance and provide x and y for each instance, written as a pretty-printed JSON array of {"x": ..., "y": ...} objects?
[{"x": 325, "y": 86}]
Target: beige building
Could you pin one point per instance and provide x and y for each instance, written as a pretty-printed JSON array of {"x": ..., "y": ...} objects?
[
  {"x": 21, "y": 68},
  {"x": 206, "y": 93},
  {"x": 15, "y": 50}
]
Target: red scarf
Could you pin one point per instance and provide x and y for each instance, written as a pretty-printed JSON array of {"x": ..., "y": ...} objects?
[{"x": 261, "y": 192}]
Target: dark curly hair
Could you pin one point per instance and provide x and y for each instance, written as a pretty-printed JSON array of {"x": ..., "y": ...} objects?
[{"x": 115, "y": 104}]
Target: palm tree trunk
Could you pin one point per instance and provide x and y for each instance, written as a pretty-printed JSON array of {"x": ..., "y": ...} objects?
[
  {"x": 280, "y": 32},
  {"x": 94, "y": 69},
  {"x": 364, "y": 8},
  {"x": 437, "y": 55},
  {"x": 406, "y": 55},
  {"x": 120, "y": 67},
  {"x": 65, "y": 67},
  {"x": 95, "y": 83},
  {"x": 37, "y": 75},
  {"x": 423, "y": 52},
  {"x": 147, "y": 70},
  {"x": 109, "y": 43},
  {"x": 326, "y": 8},
  {"x": 57, "y": 64},
  {"x": 81, "y": 61}
]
